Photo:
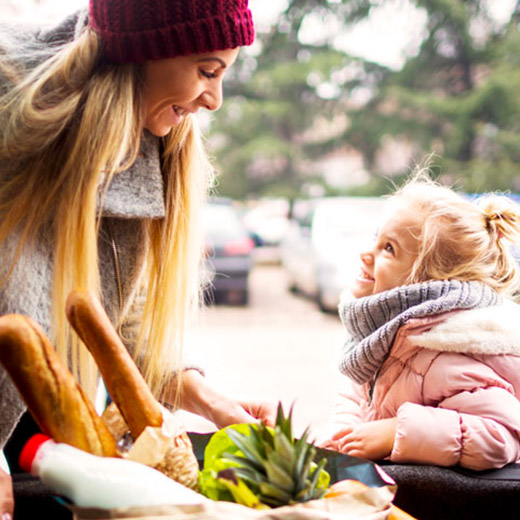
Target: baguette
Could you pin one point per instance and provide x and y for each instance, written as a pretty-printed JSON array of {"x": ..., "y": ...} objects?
[
  {"x": 50, "y": 391},
  {"x": 123, "y": 381},
  {"x": 131, "y": 395}
]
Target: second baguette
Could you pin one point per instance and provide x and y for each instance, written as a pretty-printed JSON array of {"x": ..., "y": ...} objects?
[{"x": 50, "y": 391}]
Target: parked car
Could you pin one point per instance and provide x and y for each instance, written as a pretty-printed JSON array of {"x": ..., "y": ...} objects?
[
  {"x": 228, "y": 255},
  {"x": 320, "y": 251},
  {"x": 268, "y": 220}
]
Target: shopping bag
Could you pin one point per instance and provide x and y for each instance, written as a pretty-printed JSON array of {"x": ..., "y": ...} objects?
[{"x": 373, "y": 503}]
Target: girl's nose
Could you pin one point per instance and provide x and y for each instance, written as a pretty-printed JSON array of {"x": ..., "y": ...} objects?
[{"x": 367, "y": 257}]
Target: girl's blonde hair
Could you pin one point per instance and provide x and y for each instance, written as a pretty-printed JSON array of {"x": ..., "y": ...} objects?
[
  {"x": 463, "y": 239},
  {"x": 65, "y": 129}
]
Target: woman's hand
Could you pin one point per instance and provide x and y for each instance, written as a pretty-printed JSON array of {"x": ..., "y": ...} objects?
[
  {"x": 372, "y": 440},
  {"x": 262, "y": 410},
  {"x": 224, "y": 411},
  {"x": 6, "y": 496},
  {"x": 197, "y": 396}
]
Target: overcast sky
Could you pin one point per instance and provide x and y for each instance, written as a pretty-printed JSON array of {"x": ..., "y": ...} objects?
[
  {"x": 392, "y": 32},
  {"x": 263, "y": 10}
]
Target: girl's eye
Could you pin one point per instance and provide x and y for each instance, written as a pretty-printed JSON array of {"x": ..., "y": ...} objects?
[
  {"x": 209, "y": 75},
  {"x": 389, "y": 248}
]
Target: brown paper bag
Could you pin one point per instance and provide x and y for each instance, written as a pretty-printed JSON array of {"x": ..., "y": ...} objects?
[{"x": 166, "y": 448}]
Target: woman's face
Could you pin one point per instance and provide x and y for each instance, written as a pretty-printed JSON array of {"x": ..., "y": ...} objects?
[
  {"x": 388, "y": 263},
  {"x": 178, "y": 86}
]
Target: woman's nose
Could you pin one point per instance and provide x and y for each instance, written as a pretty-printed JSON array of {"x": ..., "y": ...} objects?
[{"x": 212, "y": 97}]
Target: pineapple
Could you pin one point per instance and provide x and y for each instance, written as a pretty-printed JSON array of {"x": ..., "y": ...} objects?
[{"x": 278, "y": 469}]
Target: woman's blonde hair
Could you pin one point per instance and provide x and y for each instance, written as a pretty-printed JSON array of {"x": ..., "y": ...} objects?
[
  {"x": 462, "y": 239},
  {"x": 65, "y": 129}
]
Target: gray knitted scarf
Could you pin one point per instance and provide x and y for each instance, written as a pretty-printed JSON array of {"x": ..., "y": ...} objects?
[{"x": 373, "y": 321}]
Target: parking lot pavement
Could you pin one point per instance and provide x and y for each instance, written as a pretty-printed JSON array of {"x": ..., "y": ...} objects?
[{"x": 280, "y": 347}]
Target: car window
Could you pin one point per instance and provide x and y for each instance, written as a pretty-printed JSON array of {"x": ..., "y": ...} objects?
[
  {"x": 347, "y": 218},
  {"x": 345, "y": 224},
  {"x": 222, "y": 223}
]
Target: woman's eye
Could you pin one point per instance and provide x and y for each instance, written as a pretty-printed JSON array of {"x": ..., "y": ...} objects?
[{"x": 209, "y": 75}]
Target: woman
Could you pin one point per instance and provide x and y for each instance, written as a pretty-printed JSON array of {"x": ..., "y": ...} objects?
[{"x": 103, "y": 178}]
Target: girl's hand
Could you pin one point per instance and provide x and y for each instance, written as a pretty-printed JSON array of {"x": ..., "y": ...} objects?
[
  {"x": 372, "y": 440},
  {"x": 6, "y": 496}
]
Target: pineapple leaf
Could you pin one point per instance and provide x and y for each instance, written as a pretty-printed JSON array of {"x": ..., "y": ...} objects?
[
  {"x": 301, "y": 448},
  {"x": 246, "y": 445},
  {"x": 239, "y": 490},
  {"x": 284, "y": 453},
  {"x": 279, "y": 477},
  {"x": 263, "y": 435},
  {"x": 314, "y": 492},
  {"x": 279, "y": 414},
  {"x": 243, "y": 462},
  {"x": 250, "y": 476},
  {"x": 262, "y": 439},
  {"x": 272, "y": 502},
  {"x": 288, "y": 425},
  {"x": 282, "y": 462},
  {"x": 284, "y": 423},
  {"x": 305, "y": 463},
  {"x": 303, "y": 494},
  {"x": 270, "y": 491},
  {"x": 303, "y": 439}
]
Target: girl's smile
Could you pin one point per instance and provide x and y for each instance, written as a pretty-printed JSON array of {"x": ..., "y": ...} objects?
[{"x": 364, "y": 277}]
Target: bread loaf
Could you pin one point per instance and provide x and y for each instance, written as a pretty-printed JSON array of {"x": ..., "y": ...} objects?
[
  {"x": 50, "y": 391},
  {"x": 123, "y": 381}
]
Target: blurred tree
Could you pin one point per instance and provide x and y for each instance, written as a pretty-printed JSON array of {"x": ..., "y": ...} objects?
[
  {"x": 459, "y": 97},
  {"x": 294, "y": 104}
]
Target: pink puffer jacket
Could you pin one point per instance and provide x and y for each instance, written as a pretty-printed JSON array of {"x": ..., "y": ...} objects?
[{"x": 453, "y": 382}]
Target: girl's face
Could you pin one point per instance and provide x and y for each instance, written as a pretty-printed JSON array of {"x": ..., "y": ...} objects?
[
  {"x": 178, "y": 86},
  {"x": 389, "y": 261}
]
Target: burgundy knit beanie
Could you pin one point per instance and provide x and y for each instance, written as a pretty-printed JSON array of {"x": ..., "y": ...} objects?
[{"x": 133, "y": 31}]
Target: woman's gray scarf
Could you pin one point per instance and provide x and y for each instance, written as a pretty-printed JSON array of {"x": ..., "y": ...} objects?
[{"x": 373, "y": 321}]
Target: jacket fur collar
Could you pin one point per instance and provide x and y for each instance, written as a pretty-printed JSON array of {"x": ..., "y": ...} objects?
[{"x": 488, "y": 330}]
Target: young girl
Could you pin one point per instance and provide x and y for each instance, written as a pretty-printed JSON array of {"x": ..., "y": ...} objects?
[{"x": 433, "y": 354}]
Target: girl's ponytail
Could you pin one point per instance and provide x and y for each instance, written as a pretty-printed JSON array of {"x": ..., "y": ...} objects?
[
  {"x": 502, "y": 218},
  {"x": 502, "y": 221}
]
